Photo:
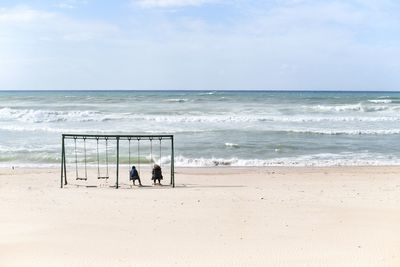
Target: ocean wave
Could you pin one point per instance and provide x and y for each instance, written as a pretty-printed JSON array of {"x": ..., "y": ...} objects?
[
  {"x": 344, "y": 132},
  {"x": 316, "y": 160},
  {"x": 81, "y": 130},
  {"x": 176, "y": 100},
  {"x": 39, "y": 128},
  {"x": 232, "y": 145},
  {"x": 208, "y": 93},
  {"x": 380, "y": 101},
  {"x": 331, "y": 119},
  {"x": 254, "y": 118},
  {"x": 28, "y": 149},
  {"x": 40, "y": 116},
  {"x": 352, "y": 107},
  {"x": 337, "y": 108},
  {"x": 54, "y": 116},
  {"x": 323, "y": 159},
  {"x": 191, "y": 130}
]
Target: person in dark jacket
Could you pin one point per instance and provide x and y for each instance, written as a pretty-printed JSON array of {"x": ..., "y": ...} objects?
[
  {"x": 134, "y": 175},
  {"x": 156, "y": 174}
]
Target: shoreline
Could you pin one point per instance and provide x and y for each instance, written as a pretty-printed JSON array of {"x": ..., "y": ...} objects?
[{"x": 93, "y": 166}]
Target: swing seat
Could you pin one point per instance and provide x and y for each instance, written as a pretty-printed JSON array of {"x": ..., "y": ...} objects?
[
  {"x": 102, "y": 177},
  {"x": 81, "y": 178}
]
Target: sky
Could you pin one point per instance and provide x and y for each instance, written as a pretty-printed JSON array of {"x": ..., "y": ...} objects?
[{"x": 200, "y": 45}]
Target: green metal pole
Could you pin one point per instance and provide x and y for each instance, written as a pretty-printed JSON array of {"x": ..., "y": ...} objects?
[
  {"x": 172, "y": 163},
  {"x": 117, "y": 161},
  {"x": 62, "y": 161},
  {"x": 65, "y": 168}
]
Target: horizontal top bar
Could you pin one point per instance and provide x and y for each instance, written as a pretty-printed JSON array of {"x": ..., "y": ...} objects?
[{"x": 115, "y": 136}]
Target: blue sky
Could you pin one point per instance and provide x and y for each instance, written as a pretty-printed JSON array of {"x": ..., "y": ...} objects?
[{"x": 200, "y": 44}]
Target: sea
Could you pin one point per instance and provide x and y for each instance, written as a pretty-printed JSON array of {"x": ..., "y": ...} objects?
[{"x": 210, "y": 128}]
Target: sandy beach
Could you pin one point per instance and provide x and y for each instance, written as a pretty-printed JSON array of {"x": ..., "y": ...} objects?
[{"x": 276, "y": 216}]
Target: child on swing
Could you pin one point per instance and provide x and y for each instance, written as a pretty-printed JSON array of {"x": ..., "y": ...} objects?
[
  {"x": 156, "y": 174},
  {"x": 134, "y": 175}
]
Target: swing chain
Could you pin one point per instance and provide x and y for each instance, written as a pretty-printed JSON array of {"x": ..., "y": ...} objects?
[
  {"x": 107, "y": 156},
  {"x": 160, "y": 138},
  {"x": 76, "y": 159},
  {"x": 84, "y": 149},
  {"x": 151, "y": 151},
  {"x": 129, "y": 149},
  {"x": 138, "y": 153},
  {"x": 98, "y": 157}
]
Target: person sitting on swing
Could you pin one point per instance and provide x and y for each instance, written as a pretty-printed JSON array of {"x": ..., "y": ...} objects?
[
  {"x": 134, "y": 175},
  {"x": 156, "y": 174}
]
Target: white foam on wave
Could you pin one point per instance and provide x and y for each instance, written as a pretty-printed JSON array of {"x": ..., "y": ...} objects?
[
  {"x": 39, "y": 116},
  {"x": 322, "y": 159},
  {"x": 232, "y": 145},
  {"x": 208, "y": 93},
  {"x": 176, "y": 100},
  {"x": 107, "y": 130},
  {"x": 346, "y": 132},
  {"x": 53, "y": 116},
  {"x": 337, "y": 108},
  {"x": 332, "y": 118},
  {"x": 380, "y": 101},
  {"x": 353, "y": 107},
  {"x": 40, "y": 128},
  {"x": 325, "y": 159},
  {"x": 230, "y": 118}
]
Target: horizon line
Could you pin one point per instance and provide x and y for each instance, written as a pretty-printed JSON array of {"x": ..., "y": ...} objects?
[{"x": 198, "y": 90}]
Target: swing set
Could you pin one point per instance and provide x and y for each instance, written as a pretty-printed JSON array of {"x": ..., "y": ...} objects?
[{"x": 103, "y": 172}]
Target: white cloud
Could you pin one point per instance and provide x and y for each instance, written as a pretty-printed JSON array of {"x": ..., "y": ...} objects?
[
  {"x": 24, "y": 24},
  {"x": 49, "y": 50},
  {"x": 22, "y": 14},
  {"x": 70, "y": 4},
  {"x": 65, "y": 6},
  {"x": 171, "y": 3}
]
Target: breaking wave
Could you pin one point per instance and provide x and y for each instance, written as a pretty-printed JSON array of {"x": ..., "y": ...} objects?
[
  {"x": 232, "y": 145},
  {"x": 255, "y": 118},
  {"x": 39, "y": 116},
  {"x": 324, "y": 159},
  {"x": 380, "y": 101},
  {"x": 354, "y": 107},
  {"x": 347, "y": 132},
  {"x": 54, "y": 116},
  {"x": 176, "y": 100},
  {"x": 281, "y": 131}
]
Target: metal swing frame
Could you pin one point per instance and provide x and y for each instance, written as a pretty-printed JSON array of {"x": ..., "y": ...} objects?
[{"x": 116, "y": 138}]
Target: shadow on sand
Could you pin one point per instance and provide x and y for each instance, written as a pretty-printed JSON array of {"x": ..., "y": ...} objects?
[{"x": 154, "y": 187}]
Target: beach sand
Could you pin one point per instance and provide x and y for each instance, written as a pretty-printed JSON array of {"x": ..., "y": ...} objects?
[{"x": 275, "y": 216}]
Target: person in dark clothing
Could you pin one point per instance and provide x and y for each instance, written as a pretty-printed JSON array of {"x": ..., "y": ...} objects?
[
  {"x": 134, "y": 175},
  {"x": 156, "y": 174}
]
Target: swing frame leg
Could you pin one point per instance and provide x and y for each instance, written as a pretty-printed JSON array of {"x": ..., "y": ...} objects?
[{"x": 117, "y": 174}]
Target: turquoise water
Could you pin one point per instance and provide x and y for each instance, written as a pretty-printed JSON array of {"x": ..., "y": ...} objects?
[{"x": 210, "y": 127}]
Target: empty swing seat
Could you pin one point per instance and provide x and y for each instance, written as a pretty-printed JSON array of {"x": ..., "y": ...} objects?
[{"x": 76, "y": 160}]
